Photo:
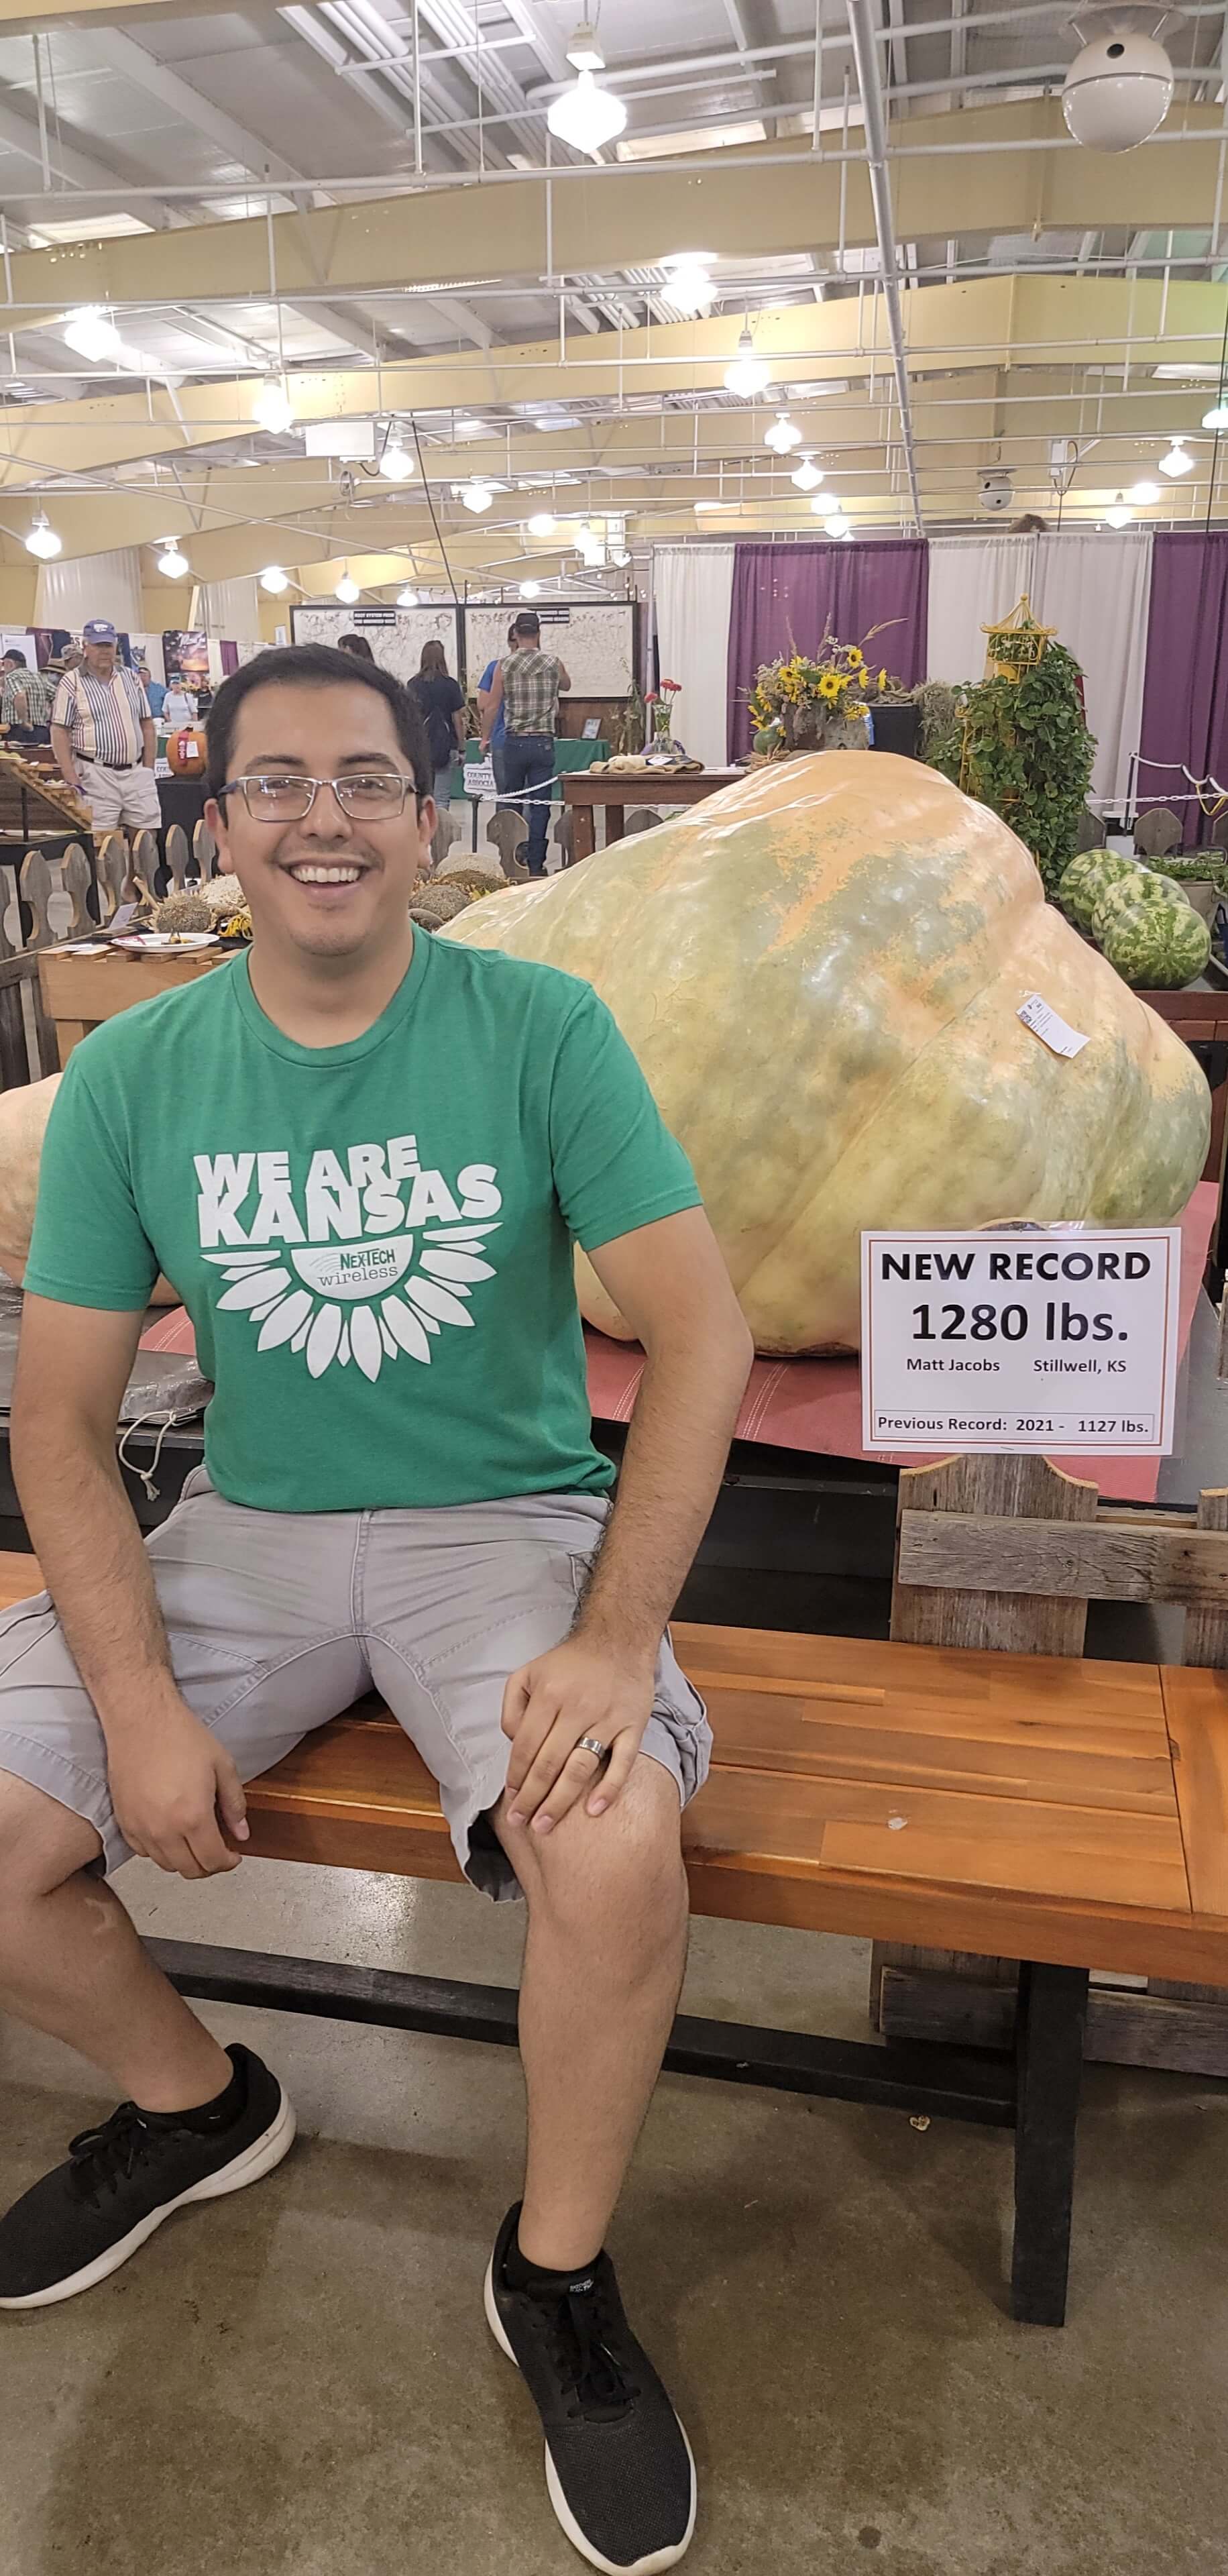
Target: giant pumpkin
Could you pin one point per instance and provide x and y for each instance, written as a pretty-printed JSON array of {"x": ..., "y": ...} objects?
[{"x": 820, "y": 970}]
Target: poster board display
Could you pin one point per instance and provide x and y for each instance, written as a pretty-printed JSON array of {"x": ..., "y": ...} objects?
[
  {"x": 1059, "y": 1338},
  {"x": 396, "y": 635},
  {"x": 185, "y": 654},
  {"x": 595, "y": 638}
]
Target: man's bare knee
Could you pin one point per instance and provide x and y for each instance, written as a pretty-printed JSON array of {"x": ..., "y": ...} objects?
[{"x": 41, "y": 1843}]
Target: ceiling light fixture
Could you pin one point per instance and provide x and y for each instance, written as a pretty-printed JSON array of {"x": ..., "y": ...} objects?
[
  {"x": 1217, "y": 417},
  {"x": 806, "y": 474},
  {"x": 542, "y": 524},
  {"x": 172, "y": 563},
  {"x": 747, "y": 375},
  {"x": 836, "y": 524},
  {"x": 530, "y": 590},
  {"x": 1119, "y": 516},
  {"x": 42, "y": 540},
  {"x": 477, "y": 497},
  {"x": 396, "y": 465},
  {"x": 783, "y": 434},
  {"x": 1177, "y": 461},
  {"x": 347, "y": 590},
  {"x": 91, "y": 335},
  {"x": 689, "y": 286},
  {"x": 1144, "y": 492},
  {"x": 407, "y": 598},
  {"x": 1120, "y": 88},
  {"x": 584, "y": 52},
  {"x": 272, "y": 407},
  {"x": 582, "y": 114},
  {"x": 700, "y": 507},
  {"x": 274, "y": 579}
]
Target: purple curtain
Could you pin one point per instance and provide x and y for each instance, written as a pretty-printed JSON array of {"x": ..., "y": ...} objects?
[
  {"x": 787, "y": 595},
  {"x": 1185, "y": 687}
]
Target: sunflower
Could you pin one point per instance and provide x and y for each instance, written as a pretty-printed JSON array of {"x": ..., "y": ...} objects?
[{"x": 855, "y": 657}]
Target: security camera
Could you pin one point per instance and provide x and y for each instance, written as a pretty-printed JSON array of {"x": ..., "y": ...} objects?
[{"x": 1120, "y": 88}]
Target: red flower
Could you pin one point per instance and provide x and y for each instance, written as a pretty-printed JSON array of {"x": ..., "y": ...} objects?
[
  {"x": 650, "y": 698},
  {"x": 671, "y": 685}
]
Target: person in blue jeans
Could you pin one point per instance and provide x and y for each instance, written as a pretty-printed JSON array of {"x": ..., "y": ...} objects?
[
  {"x": 525, "y": 690},
  {"x": 485, "y": 684}
]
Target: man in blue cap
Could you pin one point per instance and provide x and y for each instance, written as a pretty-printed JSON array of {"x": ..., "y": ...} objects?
[{"x": 102, "y": 734}]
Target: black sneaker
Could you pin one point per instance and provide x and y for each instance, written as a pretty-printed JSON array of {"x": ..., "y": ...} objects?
[
  {"x": 619, "y": 2469},
  {"x": 86, "y": 2217}
]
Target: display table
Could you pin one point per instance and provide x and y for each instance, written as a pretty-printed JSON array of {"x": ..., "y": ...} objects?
[
  {"x": 1199, "y": 1014},
  {"x": 81, "y": 991},
  {"x": 613, "y": 792}
]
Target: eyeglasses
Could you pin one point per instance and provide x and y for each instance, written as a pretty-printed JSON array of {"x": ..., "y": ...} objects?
[{"x": 282, "y": 796}]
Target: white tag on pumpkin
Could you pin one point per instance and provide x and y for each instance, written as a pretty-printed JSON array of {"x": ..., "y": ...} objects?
[{"x": 1047, "y": 1024}]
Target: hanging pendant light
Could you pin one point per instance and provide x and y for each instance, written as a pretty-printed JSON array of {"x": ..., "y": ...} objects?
[
  {"x": 347, "y": 590},
  {"x": 272, "y": 407},
  {"x": 783, "y": 434},
  {"x": 1177, "y": 461},
  {"x": 583, "y": 114},
  {"x": 43, "y": 541},
  {"x": 747, "y": 375},
  {"x": 1119, "y": 516},
  {"x": 836, "y": 525},
  {"x": 542, "y": 524},
  {"x": 1217, "y": 417},
  {"x": 807, "y": 475},
  {"x": 1143, "y": 493},
  {"x": 172, "y": 563},
  {"x": 273, "y": 579},
  {"x": 396, "y": 464},
  {"x": 477, "y": 497},
  {"x": 407, "y": 598}
]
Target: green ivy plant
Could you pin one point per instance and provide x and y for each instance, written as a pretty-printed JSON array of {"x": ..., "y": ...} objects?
[{"x": 1024, "y": 750}]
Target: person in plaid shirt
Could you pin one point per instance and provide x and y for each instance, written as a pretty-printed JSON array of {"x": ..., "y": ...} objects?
[
  {"x": 26, "y": 701},
  {"x": 526, "y": 686}
]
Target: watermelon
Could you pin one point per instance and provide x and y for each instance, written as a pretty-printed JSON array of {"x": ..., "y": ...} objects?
[
  {"x": 1142, "y": 886},
  {"x": 1154, "y": 944},
  {"x": 1085, "y": 880}
]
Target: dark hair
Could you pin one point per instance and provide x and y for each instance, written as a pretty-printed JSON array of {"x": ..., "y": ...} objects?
[
  {"x": 511, "y": 633},
  {"x": 314, "y": 666},
  {"x": 20, "y": 660},
  {"x": 357, "y": 645},
  {"x": 527, "y": 623},
  {"x": 434, "y": 660}
]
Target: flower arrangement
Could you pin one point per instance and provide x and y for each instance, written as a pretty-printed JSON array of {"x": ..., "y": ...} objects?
[
  {"x": 814, "y": 704},
  {"x": 662, "y": 703}
]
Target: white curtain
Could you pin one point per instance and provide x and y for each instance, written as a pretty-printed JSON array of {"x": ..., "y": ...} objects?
[
  {"x": 693, "y": 587},
  {"x": 972, "y": 581},
  {"x": 1095, "y": 588},
  {"x": 92, "y": 586},
  {"x": 1092, "y": 585},
  {"x": 230, "y": 610}
]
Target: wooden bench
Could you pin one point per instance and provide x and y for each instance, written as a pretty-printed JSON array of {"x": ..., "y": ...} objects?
[{"x": 955, "y": 1797}]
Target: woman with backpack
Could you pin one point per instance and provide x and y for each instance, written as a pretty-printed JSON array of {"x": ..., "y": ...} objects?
[{"x": 442, "y": 701}]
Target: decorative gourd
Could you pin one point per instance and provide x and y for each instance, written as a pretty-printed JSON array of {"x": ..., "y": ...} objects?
[{"x": 820, "y": 970}]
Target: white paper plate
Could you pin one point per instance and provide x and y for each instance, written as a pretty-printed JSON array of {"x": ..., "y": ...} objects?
[{"x": 142, "y": 940}]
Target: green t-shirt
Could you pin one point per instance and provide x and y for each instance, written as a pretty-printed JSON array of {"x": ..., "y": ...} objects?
[{"x": 374, "y": 1241}]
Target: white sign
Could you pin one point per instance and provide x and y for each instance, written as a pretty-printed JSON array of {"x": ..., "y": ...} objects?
[
  {"x": 1040, "y": 1016},
  {"x": 1058, "y": 1338},
  {"x": 479, "y": 778}
]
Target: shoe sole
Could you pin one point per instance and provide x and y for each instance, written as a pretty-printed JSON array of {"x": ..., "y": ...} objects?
[
  {"x": 260, "y": 2158},
  {"x": 660, "y": 2558}
]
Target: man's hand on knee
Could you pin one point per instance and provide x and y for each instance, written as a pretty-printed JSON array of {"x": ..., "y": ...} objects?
[
  {"x": 174, "y": 1787},
  {"x": 575, "y": 1690}
]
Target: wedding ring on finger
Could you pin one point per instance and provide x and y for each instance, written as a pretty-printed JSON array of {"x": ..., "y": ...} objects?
[{"x": 591, "y": 1744}]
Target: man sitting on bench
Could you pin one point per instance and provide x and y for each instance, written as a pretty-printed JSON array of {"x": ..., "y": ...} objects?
[{"x": 369, "y": 1156}]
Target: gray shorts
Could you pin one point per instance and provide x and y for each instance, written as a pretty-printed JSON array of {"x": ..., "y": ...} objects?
[{"x": 278, "y": 1621}]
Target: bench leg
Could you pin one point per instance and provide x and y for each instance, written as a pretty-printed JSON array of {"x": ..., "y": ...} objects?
[{"x": 1049, "y": 2062}]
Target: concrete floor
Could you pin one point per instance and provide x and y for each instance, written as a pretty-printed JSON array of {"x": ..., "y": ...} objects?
[{"x": 299, "y": 2382}]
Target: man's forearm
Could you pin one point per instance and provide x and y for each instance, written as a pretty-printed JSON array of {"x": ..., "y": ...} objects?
[
  {"x": 148, "y": 746},
  {"x": 95, "y": 1567},
  {"x": 677, "y": 1444},
  {"x": 61, "y": 744}
]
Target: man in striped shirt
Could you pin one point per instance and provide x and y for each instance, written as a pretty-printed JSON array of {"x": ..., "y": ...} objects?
[
  {"x": 26, "y": 700},
  {"x": 102, "y": 734}
]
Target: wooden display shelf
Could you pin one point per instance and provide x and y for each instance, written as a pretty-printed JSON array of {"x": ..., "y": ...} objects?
[{"x": 79, "y": 992}]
